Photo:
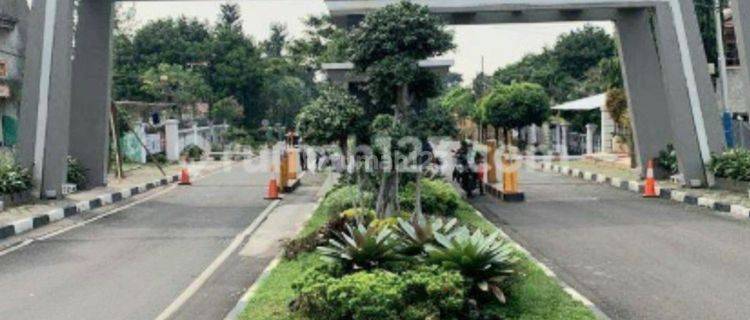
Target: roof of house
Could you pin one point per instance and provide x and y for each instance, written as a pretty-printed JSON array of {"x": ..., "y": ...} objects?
[{"x": 594, "y": 102}]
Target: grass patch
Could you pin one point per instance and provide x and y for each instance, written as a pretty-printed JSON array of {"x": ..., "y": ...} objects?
[
  {"x": 271, "y": 301},
  {"x": 534, "y": 296},
  {"x": 274, "y": 293}
]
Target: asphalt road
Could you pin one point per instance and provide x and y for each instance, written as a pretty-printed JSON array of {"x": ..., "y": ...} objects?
[
  {"x": 136, "y": 262},
  {"x": 634, "y": 258}
]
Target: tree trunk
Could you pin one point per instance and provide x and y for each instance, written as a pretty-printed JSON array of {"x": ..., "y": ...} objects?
[{"x": 418, "y": 193}]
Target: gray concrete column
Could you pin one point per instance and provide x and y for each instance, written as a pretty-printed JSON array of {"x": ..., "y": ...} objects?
[
  {"x": 533, "y": 135},
  {"x": 140, "y": 130},
  {"x": 741, "y": 18},
  {"x": 693, "y": 110},
  {"x": 608, "y": 131},
  {"x": 564, "y": 140},
  {"x": 172, "y": 139},
  {"x": 643, "y": 77},
  {"x": 91, "y": 96},
  {"x": 44, "y": 116},
  {"x": 546, "y": 137},
  {"x": 590, "y": 133}
]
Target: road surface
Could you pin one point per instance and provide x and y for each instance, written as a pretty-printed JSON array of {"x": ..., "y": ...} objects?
[
  {"x": 135, "y": 263},
  {"x": 634, "y": 258}
]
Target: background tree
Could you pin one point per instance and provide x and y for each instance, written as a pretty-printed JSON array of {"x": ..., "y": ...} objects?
[
  {"x": 274, "y": 46},
  {"x": 515, "y": 106},
  {"x": 332, "y": 117},
  {"x": 562, "y": 68},
  {"x": 460, "y": 102},
  {"x": 322, "y": 42},
  {"x": 227, "y": 110},
  {"x": 387, "y": 46},
  {"x": 172, "y": 83},
  {"x": 235, "y": 67},
  {"x": 582, "y": 49}
]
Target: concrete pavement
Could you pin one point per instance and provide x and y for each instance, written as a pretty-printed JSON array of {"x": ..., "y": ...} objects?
[
  {"x": 634, "y": 258},
  {"x": 135, "y": 263}
]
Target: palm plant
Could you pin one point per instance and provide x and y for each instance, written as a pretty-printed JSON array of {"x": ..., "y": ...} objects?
[
  {"x": 485, "y": 261},
  {"x": 361, "y": 248},
  {"x": 419, "y": 231}
]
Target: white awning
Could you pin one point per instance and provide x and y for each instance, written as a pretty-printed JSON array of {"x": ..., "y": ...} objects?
[{"x": 585, "y": 104}]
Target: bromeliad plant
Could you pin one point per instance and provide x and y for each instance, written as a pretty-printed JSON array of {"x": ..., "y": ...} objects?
[
  {"x": 486, "y": 261},
  {"x": 419, "y": 231},
  {"x": 362, "y": 248}
]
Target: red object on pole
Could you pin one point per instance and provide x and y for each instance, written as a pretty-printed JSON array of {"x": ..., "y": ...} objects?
[
  {"x": 649, "y": 191},
  {"x": 185, "y": 178}
]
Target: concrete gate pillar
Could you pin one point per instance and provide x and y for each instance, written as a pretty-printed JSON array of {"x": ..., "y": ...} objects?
[
  {"x": 546, "y": 137},
  {"x": 92, "y": 83},
  {"x": 45, "y": 106},
  {"x": 533, "y": 135},
  {"x": 563, "y": 139},
  {"x": 590, "y": 132},
  {"x": 693, "y": 109},
  {"x": 741, "y": 17},
  {"x": 172, "y": 139},
  {"x": 644, "y": 86}
]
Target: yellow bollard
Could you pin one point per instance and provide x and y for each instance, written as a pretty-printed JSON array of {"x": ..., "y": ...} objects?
[
  {"x": 292, "y": 159},
  {"x": 511, "y": 191},
  {"x": 284, "y": 173},
  {"x": 491, "y": 167}
]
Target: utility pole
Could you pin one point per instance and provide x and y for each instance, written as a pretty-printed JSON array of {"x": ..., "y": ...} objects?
[{"x": 722, "y": 59}]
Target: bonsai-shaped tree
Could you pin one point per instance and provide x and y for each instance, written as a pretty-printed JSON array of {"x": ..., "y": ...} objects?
[
  {"x": 331, "y": 117},
  {"x": 387, "y": 47},
  {"x": 515, "y": 106}
]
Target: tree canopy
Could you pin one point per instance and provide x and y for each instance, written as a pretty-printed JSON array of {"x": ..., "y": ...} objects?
[
  {"x": 388, "y": 45},
  {"x": 332, "y": 117},
  {"x": 515, "y": 106},
  {"x": 172, "y": 83}
]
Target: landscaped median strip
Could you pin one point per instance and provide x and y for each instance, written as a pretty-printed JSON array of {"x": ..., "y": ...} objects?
[
  {"x": 725, "y": 209},
  {"x": 25, "y": 225}
]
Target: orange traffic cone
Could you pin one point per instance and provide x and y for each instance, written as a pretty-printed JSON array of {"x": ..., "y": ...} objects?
[
  {"x": 185, "y": 178},
  {"x": 649, "y": 191},
  {"x": 273, "y": 190}
]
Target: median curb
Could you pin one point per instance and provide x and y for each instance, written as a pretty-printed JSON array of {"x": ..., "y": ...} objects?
[
  {"x": 25, "y": 225},
  {"x": 733, "y": 211},
  {"x": 572, "y": 292}
]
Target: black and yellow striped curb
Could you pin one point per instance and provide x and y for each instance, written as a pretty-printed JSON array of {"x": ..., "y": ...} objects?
[{"x": 734, "y": 211}]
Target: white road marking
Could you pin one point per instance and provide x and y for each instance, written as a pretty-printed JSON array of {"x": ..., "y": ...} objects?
[{"x": 206, "y": 274}]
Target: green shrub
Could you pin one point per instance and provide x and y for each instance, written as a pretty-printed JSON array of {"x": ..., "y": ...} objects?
[
  {"x": 347, "y": 197},
  {"x": 416, "y": 233},
  {"x": 438, "y": 197},
  {"x": 362, "y": 248},
  {"x": 193, "y": 152},
  {"x": 13, "y": 178},
  {"x": 485, "y": 261},
  {"x": 76, "y": 173},
  {"x": 158, "y": 158},
  {"x": 310, "y": 242},
  {"x": 667, "y": 160},
  {"x": 424, "y": 293},
  {"x": 733, "y": 164}
]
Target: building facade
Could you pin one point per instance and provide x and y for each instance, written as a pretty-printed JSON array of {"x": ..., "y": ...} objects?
[{"x": 13, "y": 14}]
